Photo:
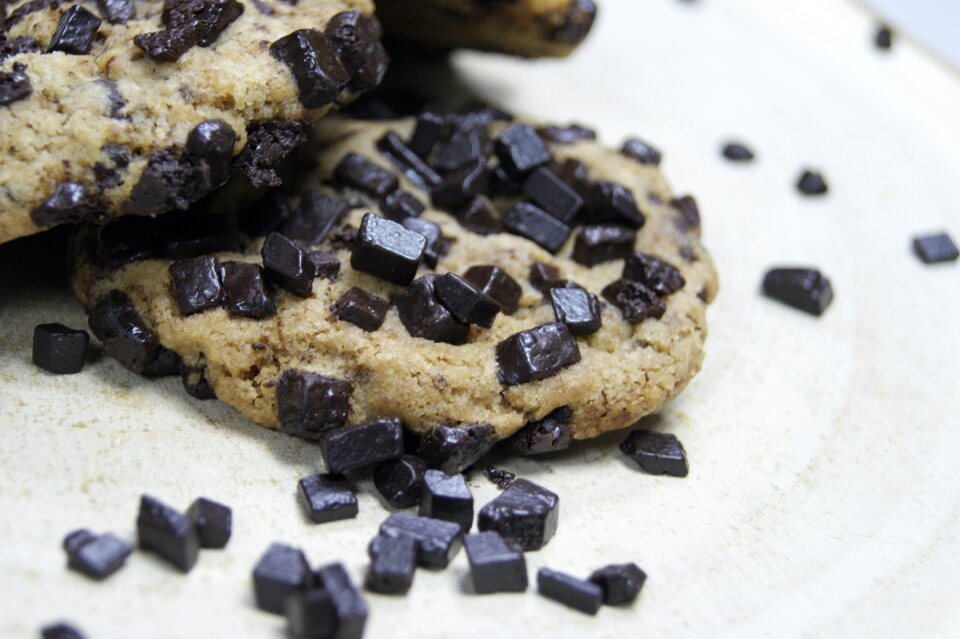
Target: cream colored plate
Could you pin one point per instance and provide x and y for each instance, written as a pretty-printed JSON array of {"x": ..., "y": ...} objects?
[{"x": 824, "y": 493}]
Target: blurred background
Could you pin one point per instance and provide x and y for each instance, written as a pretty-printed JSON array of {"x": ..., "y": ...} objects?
[{"x": 933, "y": 23}]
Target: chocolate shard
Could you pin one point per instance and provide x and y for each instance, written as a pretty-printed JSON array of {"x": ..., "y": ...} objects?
[
  {"x": 689, "y": 213},
  {"x": 244, "y": 292},
  {"x": 603, "y": 243},
  {"x": 467, "y": 304},
  {"x": 212, "y": 142},
  {"x": 566, "y": 134},
  {"x": 192, "y": 234},
  {"x": 578, "y": 594},
  {"x": 267, "y": 144},
  {"x": 327, "y": 498},
  {"x": 188, "y": 23},
  {"x": 59, "y": 349},
  {"x": 576, "y": 308},
  {"x": 124, "y": 334},
  {"x": 431, "y": 125},
  {"x": 642, "y": 152},
  {"x": 400, "y": 205},
  {"x": 537, "y": 225},
  {"x": 96, "y": 556},
  {"x": 281, "y": 571},
  {"x": 116, "y": 11},
  {"x": 75, "y": 31},
  {"x": 620, "y": 583},
  {"x": 736, "y": 152},
  {"x": 69, "y": 202},
  {"x": 479, "y": 216},
  {"x": 314, "y": 218},
  {"x": 447, "y": 497},
  {"x": 438, "y": 542},
  {"x": 525, "y": 515},
  {"x": 805, "y": 289},
  {"x": 360, "y": 173},
  {"x": 460, "y": 186},
  {"x": 356, "y": 38},
  {"x": 612, "y": 202},
  {"x": 287, "y": 265},
  {"x": 656, "y": 453},
  {"x": 551, "y": 194},
  {"x": 362, "y": 309},
  {"x": 310, "y": 405},
  {"x": 452, "y": 448},
  {"x": 548, "y": 435},
  {"x": 312, "y": 58},
  {"x": 494, "y": 565},
  {"x": 168, "y": 533},
  {"x": 636, "y": 301},
  {"x": 657, "y": 274},
  {"x": 935, "y": 249},
  {"x": 543, "y": 277},
  {"x": 127, "y": 239},
  {"x": 387, "y": 250},
  {"x": 57, "y": 630},
  {"x": 400, "y": 481},
  {"x": 360, "y": 445},
  {"x": 536, "y": 353},
  {"x": 196, "y": 284},
  {"x": 493, "y": 281},
  {"x": 393, "y": 563},
  {"x": 574, "y": 174},
  {"x": 167, "y": 183},
  {"x": 424, "y": 315},
  {"x": 349, "y": 609},
  {"x": 310, "y": 614},
  {"x": 812, "y": 183},
  {"x": 195, "y": 382},
  {"x": 213, "y": 521},
  {"x": 521, "y": 151},
  {"x": 404, "y": 158}
]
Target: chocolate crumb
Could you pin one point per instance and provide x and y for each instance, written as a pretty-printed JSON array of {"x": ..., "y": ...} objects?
[
  {"x": 736, "y": 152},
  {"x": 267, "y": 144},
  {"x": 501, "y": 478}
]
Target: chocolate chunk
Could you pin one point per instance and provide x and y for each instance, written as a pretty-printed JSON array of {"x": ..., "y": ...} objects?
[
  {"x": 196, "y": 284},
  {"x": 361, "y": 309},
  {"x": 327, "y": 498},
  {"x": 447, "y": 497},
  {"x": 467, "y": 304},
  {"x": 400, "y": 480},
  {"x": 620, "y": 583},
  {"x": 535, "y": 354},
  {"x": 500, "y": 477},
  {"x": 125, "y": 336},
  {"x": 461, "y": 186},
  {"x": 96, "y": 556},
  {"x": 548, "y": 435},
  {"x": 287, "y": 265},
  {"x": 195, "y": 382},
  {"x": 59, "y": 349},
  {"x": 360, "y": 173},
  {"x": 265, "y": 215},
  {"x": 362, "y": 444},
  {"x": 356, "y": 38},
  {"x": 812, "y": 183},
  {"x": 494, "y": 282},
  {"x": 543, "y": 277},
  {"x": 436, "y": 245},
  {"x": 75, "y": 31},
  {"x": 525, "y": 515},
  {"x": 58, "y": 630},
  {"x": 393, "y": 562},
  {"x": 428, "y": 131},
  {"x": 107, "y": 173},
  {"x": 438, "y": 542},
  {"x": 281, "y": 570},
  {"x": 164, "y": 363},
  {"x": 578, "y": 594},
  {"x": 387, "y": 250},
  {"x": 452, "y": 448},
  {"x": 188, "y": 23},
  {"x": 636, "y": 301},
  {"x": 566, "y": 134},
  {"x": 424, "y": 315},
  {"x": 349, "y": 609},
  {"x": 310, "y": 614},
  {"x": 603, "y": 243},
  {"x": 168, "y": 533},
  {"x": 464, "y": 147},
  {"x": 549, "y": 192},
  {"x": 536, "y": 225},
  {"x": 244, "y": 292},
  {"x": 884, "y": 38},
  {"x": 689, "y": 219},
  {"x": 167, "y": 183},
  {"x": 314, "y": 218},
  {"x": 213, "y": 521},
  {"x": 576, "y": 308},
  {"x": 521, "y": 151},
  {"x": 10, "y": 47},
  {"x": 805, "y": 289},
  {"x": 934, "y": 249},
  {"x": 116, "y": 11},
  {"x": 309, "y": 405},
  {"x": 642, "y": 152},
  {"x": 502, "y": 184},
  {"x": 405, "y": 159},
  {"x": 212, "y": 142},
  {"x": 325, "y": 265},
  {"x": 494, "y": 565},
  {"x": 312, "y": 58},
  {"x": 658, "y": 275},
  {"x": 612, "y": 202},
  {"x": 69, "y": 202},
  {"x": 267, "y": 144},
  {"x": 191, "y": 234},
  {"x": 479, "y": 216},
  {"x": 400, "y": 205},
  {"x": 656, "y": 453},
  {"x": 736, "y": 152}
]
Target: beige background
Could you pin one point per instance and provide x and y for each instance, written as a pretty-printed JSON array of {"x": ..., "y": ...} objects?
[{"x": 824, "y": 493}]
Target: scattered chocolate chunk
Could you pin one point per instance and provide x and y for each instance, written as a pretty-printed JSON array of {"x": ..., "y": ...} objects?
[
  {"x": 521, "y": 151},
  {"x": 361, "y": 309},
  {"x": 167, "y": 182},
  {"x": 736, "y": 152},
  {"x": 168, "y": 533},
  {"x": 195, "y": 382},
  {"x": 14, "y": 85},
  {"x": 356, "y": 38},
  {"x": 494, "y": 565},
  {"x": 447, "y": 497},
  {"x": 349, "y": 609},
  {"x": 125, "y": 336},
  {"x": 537, "y": 353},
  {"x": 612, "y": 202},
  {"x": 436, "y": 245},
  {"x": 393, "y": 562},
  {"x": 566, "y": 134},
  {"x": 408, "y": 161},
  {"x": 656, "y": 453},
  {"x": 461, "y": 186},
  {"x": 424, "y": 315},
  {"x": 116, "y": 11},
  {"x": 213, "y": 521},
  {"x": 58, "y": 630},
  {"x": 10, "y": 47},
  {"x": 69, "y": 202},
  {"x": 314, "y": 218},
  {"x": 267, "y": 144},
  {"x": 211, "y": 142},
  {"x": 934, "y": 249},
  {"x": 479, "y": 216},
  {"x": 526, "y": 515},
  {"x": 312, "y": 58},
  {"x": 309, "y": 613},
  {"x": 428, "y": 131},
  {"x": 189, "y": 234},
  {"x": 603, "y": 243},
  {"x": 658, "y": 275},
  {"x": 400, "y": 205},
  {"x": 578, "y": 594},
  {"x": 281, "y": 570},
  {"x": 642, "y": 152},
  {"x": 576, "y": 308},
  {"x": 287, "y": 265},
  {"x": 327, "y": 498},
  {"x": 362, "y": 444},
  {"x": 494, "y": 282},
  {"x": 537, "y": 225},
  {"x": 805, "y": 289},
  {"x": 689, "y": 211},
  {"x": 636, "y": 301},
  {"x": 75, "y": 31},
  {"x": 309, "y": 405},
  {"x": 551, "y": 194},
  {"x": 464, "y": 147},
  {"x": 548, "y": 435},
  {"x": 884, "y": 38},
  {"x": 164, "y": 363},
  {"x": 196, "y": 284},
  {"x": 543, "y": 276},
  {"x": 59, "y": 349},
  {"x": 325, "y": 265},
  {"x": 265, "y": 215},
  {"x": 387, "y": 250},
  {"x": 452, "y": 448},
  {"x": 467, "y": 304},
  {"x": 188, "y": 23},
  {"x": 502, "y": 184},
  {"x": 575, "y": 175},
  {"x": 400, "y": 480},
  {"x": 96, "y": 556},
  {"x": 359, "y": 172},
  {"x": 244, "y": 291},
  {"x": 621, "y": 583},
  {"x": 812, "y": 183},
  {"x": 500, "y": 477},
  {"x": 438, "y": 542}
]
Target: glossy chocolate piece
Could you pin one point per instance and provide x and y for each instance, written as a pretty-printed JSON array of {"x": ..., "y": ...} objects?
[
  {"x": 312, "y": 59},
  {"x": 309, "y": 404},
  {"x": 525, "y": 515},
  {"x": 934, "y": 249},
  {"x": 400, "y": 205},
  {"x": 548, "y": 435},
  {"x": 461, "y": 186},
  {"x": 603, "y": 243},
  {"x": 656, "y": 453},
  {"x": 188, "y": 23},
  {"x": 464, "y": 147},
  {"x": 613, "y": 203},
  {"x": 59, "y": 349},
  {"x": 326, "y": 265},
  {"x": 327, "y": 498},
  {"x": 494, "y": 565},
  {"x": 576, "y": 308},
  {"x": 578, "y": 594},
  {"x": 186, "y": 234},
  {"x": 349, "y": 609},
  {"x": 287, "y": 265},
  {"x": 267, "y": 144},
  {"x": 574, "y": 174},
  {"x": 536, "y": 353},
  {"x": 387, "y": 250},
  {"x": 69, "y": 202},
  {"x": 494, "y": 282},
  {"x": 642, "y": 152},
  {"x": 124, "y": 334},
  {"x": 393, "y": 563},
  {"x": 551, "y": 194},
  {"x": 360, "y": 308},
  {"x": 736, "y": 152},
  {"x": 467, "y": 304},
  {"x": 543, "y": 277},
  {"x": 620, "y": 583},
  {"x": 213, "y": 521},
  {"x": 500, "y": 477},
  {"x": 804, "y": 289},
  {"x": 521, "y": 151},
  {"x": 430, "y": 127},
  {"x": 658, "y": 275},
  {"x": 447, "y": 497},
  {"x": 59, "y": 630},
  {"x": 127, "y": 239},
  {"x": 566, "y": 134},
  {"x": 96, "y": 556},
  {"x": 438, "y": 542},
  {"x": 116, "y": 11},
  {"x": 361, "y": 445},
  {"x": 168, "y": 533},
  {"x": 356, "y": 38},
  {"x": 409, "y": 162},
  {"x": 196, "y": 284},
  {"x": 436, "y": 246},
  {"x": 812, "y": 183},
  {"x": 424, "y": 315},
  {"x": 211, "y": 142},
  {"x": 689, "y": 210},
  {"x": 400, "y": 481},
  {"x": 452, "y": 448},
  {"x": 244, "y": 292},
  {"x": 536, "y": 225},
  {"x": 636, "y": 301},
  {"x": 75, "y": 31},
  {"x": 281, "y": 570},
  {"x": 360, "y": 173},
  {"x": 310, "y": 614},
  {"x": 313, "y": 219},
  {"x": 479, "y": 216}
]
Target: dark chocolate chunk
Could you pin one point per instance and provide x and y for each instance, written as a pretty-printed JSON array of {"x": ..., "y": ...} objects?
[
  {"x": 461, "y": 186},
  {"x": 424, "y": 315},
  {"x": 360, "y": 173},
  {"x": 575, "y": 175},
  {"x": 287, "y": 265},
  {"x": 164, "y": 363},
  {"x": 125, "y": 336},
  {"x": 405, "y": 159},
  {"x": 548, "y": 435},
  {"x": 312, "y": 58},
  {"x": 536, "y": 353},
  {"x": 59, "y": 349},
  {"x": 325, "y": 265},
  {"x": 168, "y": 533},
  {"x": 96, "y": 556},
  {"x": 188, "y": 23},
  {"x": 196, "y": 284},
  {"x": 349, "y": 609},
  {"x": 310, "y": 614},
  {"x": 502, "y": 184},
  {"x": 537, "y": 225},
  {"x": 812, "y": 183},
  {"x": 642, "y": 152},
  {"x": 387, "y": 250},
  {"x": 428, "y": 131},
  {"x": 656, "y": 453},
  {"x": 327, "y": 498},
  {"x": 107, "y": 172},
  {"x": 447, "y": 497},
  {"x": 500, "y": 477},
  {"x": 356, "y": 38},
  {"x": 884, "y": 38},
  {"x": 438, "y": 542},
  {"x": 549, "y": 192},
  {"x": 689, "y": 219},
  {"x": 195, "y": 382},
  {"x": 566, "y": 134},
  {"x": 309, "y": 405},
  {"x": 431, "y": 232},
  {"x": 621, "y": 583},
  {"x": 603, "y": 243},
  {"x": 400, "y": 205},
  {"x": 69, "y": 202},
  {"x": 10, "y": 47},
  {"x": 612, "y": 202},
  {"x": 464, "y": 147},
  {"x": 57, "y": 630},
  {"x": 494, "y": 565},
  {"x": 493, "y": 281},
  {"x": 191, "y": 234},
  {"x": 361, "y": 309},
  {"x": 526, "y": 515},
  {"x": 267, "y": 144},
  {"x": 578, "y": 594},
  {"x": 168, "y": 183},
  {"x": 393, "y": 562},
  {"x": 467, "y": 304},
  {"x": 75, "y": 31},
  {"x": 361, "y": 445},
  {"x": 244, "y": 292},
  {"x": 736, "y": 152},
  {"x": 400, "y": 480},
  {"x": 805, "y": 289},
  {"x": 212, "y": 142},
  {"x": 116, "y": 11},
  {"x": 543, "y": 277},
  {"x": 576, "y": 308},
  {"x": 521, "y": 151},
  {"x": 636, "y": 301},
  {"x": 934, "y": 249},
  {"x": 479, "y": 216},
  {"x": 452, "y": 448},
  {"x": 314, "y": 218},
  {"x": 213, "y": 521},
  {"x": 657, "y": 274},
  {"x": 281, "y": 570},
  {"x": 265, "y": 215}
]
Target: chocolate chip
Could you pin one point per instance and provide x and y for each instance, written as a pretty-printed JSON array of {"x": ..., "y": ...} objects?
[
  {"x": 494, "y": 565},
  {"x": 636, "y": 301},
  {"x": 437, "y": 246},
  {"x": 521, "y": 151},
  {"x": 642, "y": 152},
  {"x": 265, "y": 215},
  {"x": 603, "y": 243},
  {"x": 287, "y": 265},
  {"x": 525, "y": 515},
  {"x": 689, "y": 219},
  {"x": 116, "y": 105},
  {"x": 192, "y": 234},
  {"x": 393, "y": 562},
  {"x": 400, "y": 480},
  {"x": 566, "y": 134},
  {"x": 467, "y": 304},
  {"x": 188, "y": 23},
  {"x": 578, "y": 594},
  {"x": 58, "y": 630},
  {"x": 314, "y": 218},
  {"x": 116, "y": 11},
  {"x": 96, "y": 556},
  {"x": 500, "y": 477},
  {"x": 168, "y": 533},
  {"x": 244, "y": 292},
  {"x": 479, "y": 216},
  {"x": 349, "y": 609},
  {"x": 812, "y": 183},
  {"x": 621, "y": 583},
  {"x": 424, "y": 315},
  {"x": 107, "y": 172},
  {"x": 59, "y": 349},
  {"x": 164, "y": 363},
  {"x": 428, "y": 131},
  {"x": 309, "y": 613},
  {"x": 464, "y": 147},
  {"x": 537, "y": 225},
  {"x": 212, "y": 142},
  {"x": 360, "y": 308},
  {"x": 658, "y": 275},
  {"x": 362, "y": 444},
  {"x": 656, "y": 453},
  {"x": 502, "y": 184},
  {"x": 387, "y": 250},
  {"x": 281, "y": 571},
  {"x": 168, "y": 182},
  {"x": 543, "y": 276},
  {"x": 438, "y": 542},
  {"x": 309, "y": 404},
  {"x": 805, "y": 289},
  {"x": 125, "y": 336},
  {"x": 75, "y": 31},
  {"x": 452, "y": 448},
  {"x": 934, "y": 249},
  {"x": 575, "y": 175},
  {"x": 576, "y": 308},
  {"x": 494, "y": 282},
  {"x": 407, "y": 160},
  {"x": 69, "y": 202},
  {"x": 549, "y": 192},
  {"x": 359, "y": 172},
  {"x": 612, "y": 202},
  {"x": 736, "y": 152},
  {"x": 10, "y": 47},
  {"x": 195, "y": 382},
  {"x": 446, "y": 497},
  {"x": 213, "y": 521},
  {"x": 461, "y": 186},
  {"x": 535, "y": 354},
  {"x": 196, "y": 284},
  {"x": 327, "y": 498},
  {"x": 267, "y": 144},
  {"x": 325, "y": 265},
  {"x": 548, "y": 435},
  {"x": 356, "y": 38},
  {"x": 884, "y": 38},
  {"x": 312, "y": 58}
]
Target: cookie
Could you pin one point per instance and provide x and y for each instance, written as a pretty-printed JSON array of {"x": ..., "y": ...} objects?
[
  {"x": 452, "y": 269},
  {"x": 118, "y": 107}
]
